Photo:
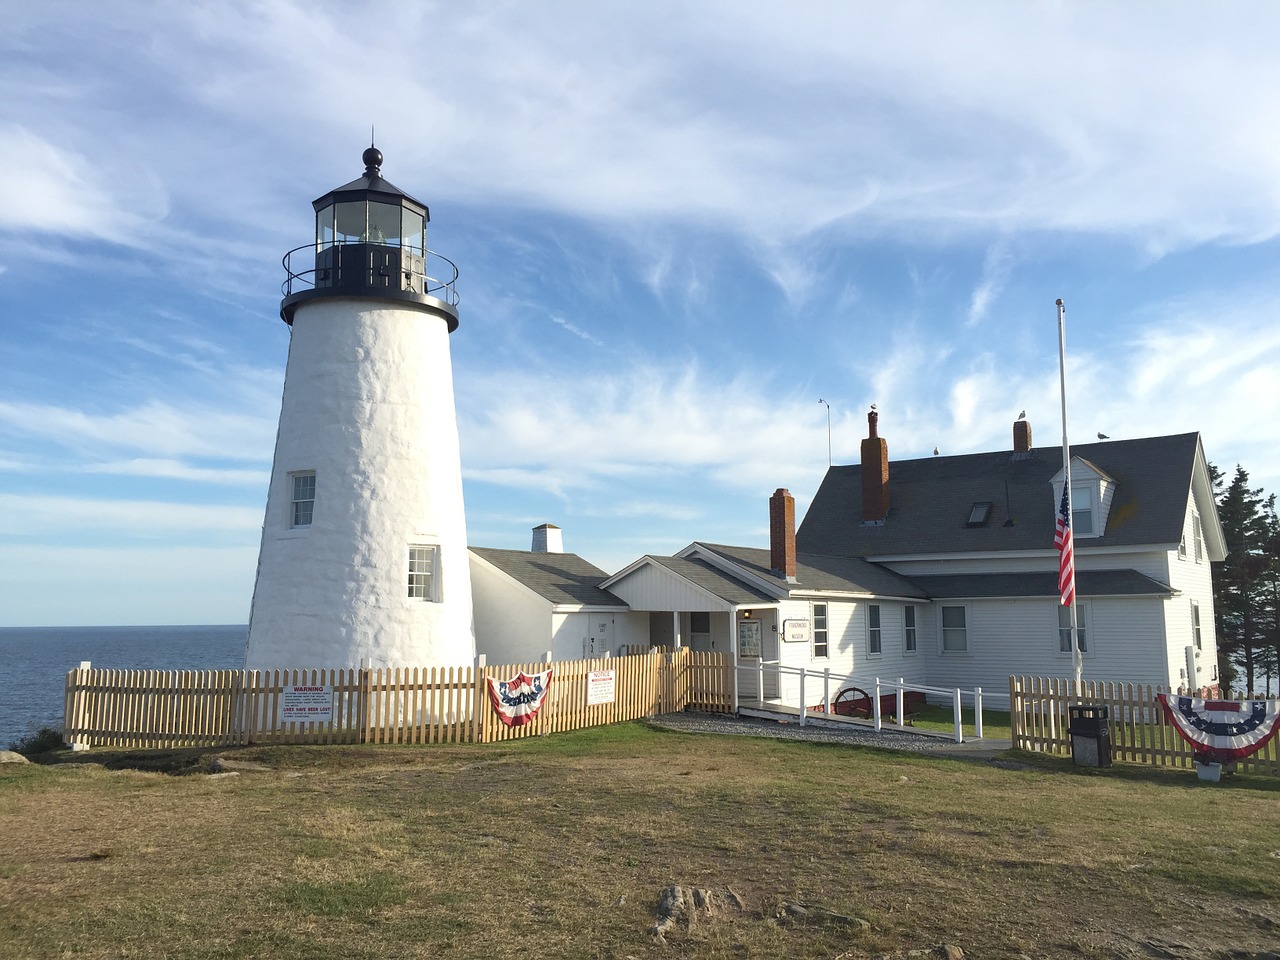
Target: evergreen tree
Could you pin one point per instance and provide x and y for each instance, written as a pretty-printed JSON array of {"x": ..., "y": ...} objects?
[
  {"x": 1268, "y": 589},
  {"x": 1244, "y": 614}
]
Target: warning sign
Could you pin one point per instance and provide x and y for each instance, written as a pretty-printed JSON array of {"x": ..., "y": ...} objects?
[
  {"x": 600, "y": 685},
  {"x": 307, "y": 703}
]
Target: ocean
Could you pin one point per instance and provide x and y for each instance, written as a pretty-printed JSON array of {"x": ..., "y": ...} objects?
[{"x": 34, "y": 662}]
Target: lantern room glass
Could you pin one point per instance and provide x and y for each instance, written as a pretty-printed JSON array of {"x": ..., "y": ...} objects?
[{"x": 371, "y": 221}]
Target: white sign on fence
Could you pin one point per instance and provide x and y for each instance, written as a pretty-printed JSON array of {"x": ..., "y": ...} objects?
[
  {"x": 600, "y": 686},
  {"x": 313, "y": 703}
]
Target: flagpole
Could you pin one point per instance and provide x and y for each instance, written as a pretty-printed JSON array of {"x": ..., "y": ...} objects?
[{"x": 1076, "y": 659}]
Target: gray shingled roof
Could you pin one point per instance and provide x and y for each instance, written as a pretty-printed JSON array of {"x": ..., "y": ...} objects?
[
  {"x": 930, "y": 500},
  {"x": 814, "y": 572},
  {"x": 557, "y": 577},
  {"x": 1089, "y": 583},
  {"x": 714, "y": 580}
]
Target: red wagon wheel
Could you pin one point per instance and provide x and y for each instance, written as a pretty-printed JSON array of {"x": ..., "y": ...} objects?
[{"x": 852, "y": 702}]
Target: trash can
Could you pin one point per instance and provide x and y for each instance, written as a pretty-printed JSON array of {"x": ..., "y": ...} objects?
[{"x": 1090, "y": 734}]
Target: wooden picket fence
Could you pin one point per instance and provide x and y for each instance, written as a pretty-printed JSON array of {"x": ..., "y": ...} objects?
[
  {"x": 148, "y": 709},
  {"x": 1139, "y": 731}
]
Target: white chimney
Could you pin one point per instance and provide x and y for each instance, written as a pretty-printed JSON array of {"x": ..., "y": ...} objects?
[{"x": 547, "y": 538}]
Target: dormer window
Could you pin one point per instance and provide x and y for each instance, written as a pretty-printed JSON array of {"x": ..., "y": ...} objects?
[
  {"x": 1092, "y": 492},
  {"x": 979, "y": 514},
  {"x": 1082, "y": 510}
]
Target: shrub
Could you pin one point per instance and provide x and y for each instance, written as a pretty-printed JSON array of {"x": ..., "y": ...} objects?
[{"x": 44, "y": 740}]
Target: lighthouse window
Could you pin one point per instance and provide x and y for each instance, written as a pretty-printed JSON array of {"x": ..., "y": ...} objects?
[
  {"x": 412, "y": 231},
  {"x": 304, "y": 499},
  {"x": 423, "y": 581},
  {"x": 384, "y": 223},
  {"x": 350, "y": 221}
]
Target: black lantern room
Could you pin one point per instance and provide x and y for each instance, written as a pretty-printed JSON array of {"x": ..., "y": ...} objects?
[{"x": 371, "y": 243}]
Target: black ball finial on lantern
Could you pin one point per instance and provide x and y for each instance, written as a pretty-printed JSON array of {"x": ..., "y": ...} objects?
[{"x": 372, "y": 162}]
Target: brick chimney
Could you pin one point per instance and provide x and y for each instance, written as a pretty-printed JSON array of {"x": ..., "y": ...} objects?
[
  {"x": 782, "y": 534},
  {"x": 547, "y": 538},
  {"x": 1022, "y": 436},
  {"x": 875, "y": 474}
]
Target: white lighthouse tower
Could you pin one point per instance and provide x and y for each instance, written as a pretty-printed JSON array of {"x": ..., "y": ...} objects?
[{"x": 364, "y": 545}]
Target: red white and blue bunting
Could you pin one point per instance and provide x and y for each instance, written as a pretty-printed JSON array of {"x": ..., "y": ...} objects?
[
  {"x": 519, "y": 699},
  {"x": 1223, "y": 730}
]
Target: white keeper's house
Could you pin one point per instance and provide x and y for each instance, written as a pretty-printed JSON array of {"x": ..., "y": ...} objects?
[{"x": 942, "y": 571}]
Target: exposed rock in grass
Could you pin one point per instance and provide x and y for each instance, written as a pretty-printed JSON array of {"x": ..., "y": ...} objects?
[
  {"x": 10, "y": 756},
  {"x": 678, "y": 904},
  {"x": 818, "y": 915},
  {"x": 943, "y": 951}
]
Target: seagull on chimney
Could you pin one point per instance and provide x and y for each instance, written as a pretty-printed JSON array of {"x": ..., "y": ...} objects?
[
  {"x": 1022, "y": 415},
  {"x": 1103, "y": 436}
]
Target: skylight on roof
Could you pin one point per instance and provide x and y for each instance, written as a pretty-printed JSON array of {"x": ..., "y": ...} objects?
[{"x": 979, "y": 514}]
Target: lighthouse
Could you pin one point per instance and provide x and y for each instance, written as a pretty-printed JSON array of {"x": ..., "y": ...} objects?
[{"x": 364, "y": 543}]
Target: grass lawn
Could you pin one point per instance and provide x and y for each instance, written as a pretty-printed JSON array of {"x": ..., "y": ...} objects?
[
  {"x": 560, "y": 846},
  {"x": 995, "y": 723}
]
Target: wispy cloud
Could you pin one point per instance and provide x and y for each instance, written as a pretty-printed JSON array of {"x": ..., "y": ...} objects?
[
  {"x": 644, "y": 421},
  {"x": 179, "y": 470},
  {"x": 576, "y": 330},
  {"x": 25, "y": 515},
  {"x": 770, "y": 129},
  {"x": 996, "y": 267},
  {"x": 652, "y": 509},
  {"x": 49, "y": 189},
  {"x": 156, "y": 428}
]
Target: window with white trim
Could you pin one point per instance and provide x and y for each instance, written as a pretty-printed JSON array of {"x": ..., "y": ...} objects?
[
  {"x": 1064, "y": 628},
  {"x": 1195, "y": 624},
  {"x": 875, "y": 644},
  {"x": 909, "y": 628},
  {"x": 302, "y": 498},
  {"x": 424, "y": 572},
  {"x": 820, "y": 643},
  {"x": 955, "y": 630},
  {"x": 1198, "y": 530},
  {"x": 1082, "y": 509}
]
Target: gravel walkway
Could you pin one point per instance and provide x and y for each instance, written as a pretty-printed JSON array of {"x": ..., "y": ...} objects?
[{"x": 823, "y": 733}]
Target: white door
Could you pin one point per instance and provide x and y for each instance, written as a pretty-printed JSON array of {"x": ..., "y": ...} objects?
[{"x": 599, "y": 641}]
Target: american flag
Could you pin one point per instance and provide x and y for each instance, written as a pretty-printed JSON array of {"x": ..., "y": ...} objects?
[{"x": 1066, "y": 552}]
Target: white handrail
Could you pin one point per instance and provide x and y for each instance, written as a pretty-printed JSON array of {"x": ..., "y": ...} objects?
[{"x": 900, "y": 687}]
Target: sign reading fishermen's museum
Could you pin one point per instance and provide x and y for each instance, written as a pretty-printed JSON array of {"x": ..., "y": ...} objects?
[{"x": 797, "y": 631}]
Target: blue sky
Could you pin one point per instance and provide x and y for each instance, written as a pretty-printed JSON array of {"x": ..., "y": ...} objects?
[{"x": 678, "y": 225}]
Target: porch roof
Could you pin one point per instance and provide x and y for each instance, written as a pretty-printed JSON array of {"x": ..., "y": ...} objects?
[{"x": 714, "y": 580}]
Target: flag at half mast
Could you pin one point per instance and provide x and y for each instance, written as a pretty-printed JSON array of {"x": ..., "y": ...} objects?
[{"x": 1066, "y": 551}]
